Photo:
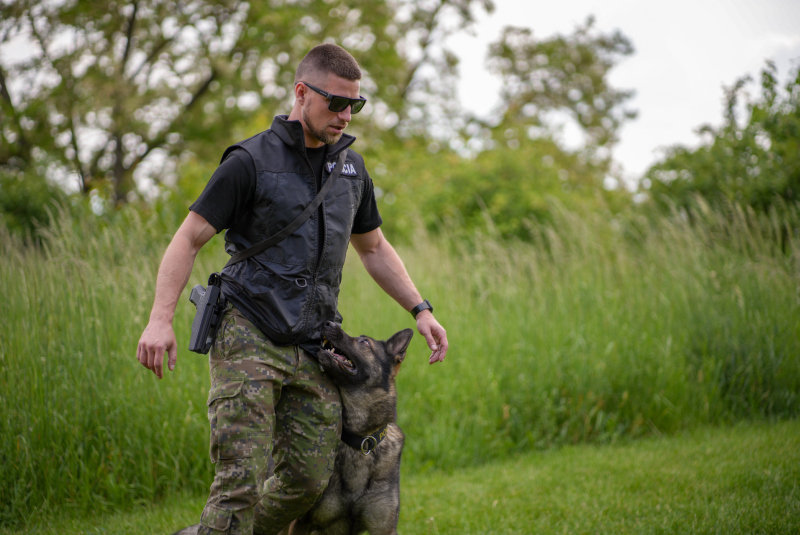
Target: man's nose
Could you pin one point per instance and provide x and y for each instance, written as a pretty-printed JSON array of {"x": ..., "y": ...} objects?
[{"x": 345, "y": 115}]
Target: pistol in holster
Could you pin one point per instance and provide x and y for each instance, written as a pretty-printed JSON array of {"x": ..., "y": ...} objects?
[{"x": 210, "y": 306}]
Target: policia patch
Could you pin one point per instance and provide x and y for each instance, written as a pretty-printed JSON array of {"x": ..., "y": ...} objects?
[{"x": 349, "y": 168}]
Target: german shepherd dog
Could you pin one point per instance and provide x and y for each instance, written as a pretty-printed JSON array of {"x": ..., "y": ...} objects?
[{"x": 363, "y": 493}]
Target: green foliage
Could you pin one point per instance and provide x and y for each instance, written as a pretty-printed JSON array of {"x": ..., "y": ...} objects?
[
  {"x": 507, "y": 190},
  {"x": 26, "y": 201},
  {"x": 147, "y": 89},
  {"x": 80, "y": 424},
  {"x": 596, "y": 331},
  {"x": 511, "y": 173},
  {"x": 753, "y": 161},
  {"x": 115, "y": 86}
]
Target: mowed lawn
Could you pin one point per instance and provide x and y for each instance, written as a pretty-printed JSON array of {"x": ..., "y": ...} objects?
[{"x": 742, "y": 479}]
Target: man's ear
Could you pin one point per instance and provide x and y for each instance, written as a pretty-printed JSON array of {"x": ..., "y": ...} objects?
[
  {"x": 300, "y": 92},
  {"x": 396, "y": 345}
]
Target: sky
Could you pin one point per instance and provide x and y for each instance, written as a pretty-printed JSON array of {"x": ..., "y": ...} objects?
[{"x": 685, "y": 52}]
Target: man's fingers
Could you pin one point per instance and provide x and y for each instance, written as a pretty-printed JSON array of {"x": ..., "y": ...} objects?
[
  {"x": 173, "y": 357},
  {"x": 431, "y": 341},
  {"x": 443, "y": 347},
  {"x": 157, "y": 340},
  {"x": 151, "y": 359},
  {"x": 432, "y": 345},
  {"x": 436, "y": 338},
  {"x": 158, "y": 362},
  {"x": 440, "y": 349},
  {"x": 143, "y": 355},
  {"x": 155, "y": 358}
]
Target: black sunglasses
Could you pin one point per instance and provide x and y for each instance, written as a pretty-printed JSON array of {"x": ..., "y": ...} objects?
[{"x": 339, "y": 103}]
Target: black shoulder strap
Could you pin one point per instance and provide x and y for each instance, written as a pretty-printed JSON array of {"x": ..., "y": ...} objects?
[{"x": 299, "y": 220}]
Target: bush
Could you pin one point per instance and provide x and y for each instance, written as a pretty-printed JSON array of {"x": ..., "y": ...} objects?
[{"x": 756, "y": 163}]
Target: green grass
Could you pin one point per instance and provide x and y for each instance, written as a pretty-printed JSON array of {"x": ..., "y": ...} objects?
[
  {"x": 596, "y": 332},
  {"x": 744, "y": 479},
  {"x": 741, "y": 480}
]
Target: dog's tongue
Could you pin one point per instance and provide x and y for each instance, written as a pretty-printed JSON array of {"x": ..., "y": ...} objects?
[{"x": 327, "y": 346}]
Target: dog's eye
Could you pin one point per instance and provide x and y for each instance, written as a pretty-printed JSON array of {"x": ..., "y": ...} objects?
[{"x": 364, "y": 341}]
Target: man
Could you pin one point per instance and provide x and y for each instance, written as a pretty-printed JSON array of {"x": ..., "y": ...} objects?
[{"x": 268, "y": 394}]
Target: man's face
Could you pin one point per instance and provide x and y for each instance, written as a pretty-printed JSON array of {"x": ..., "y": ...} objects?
[{"x": 321, "y": 125}]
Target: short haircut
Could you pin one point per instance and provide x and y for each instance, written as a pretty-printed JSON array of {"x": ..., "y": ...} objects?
[{"x": 327, "y": 59}]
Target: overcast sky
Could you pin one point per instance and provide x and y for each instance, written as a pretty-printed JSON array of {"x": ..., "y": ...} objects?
[{"x": 685, "y": 51}]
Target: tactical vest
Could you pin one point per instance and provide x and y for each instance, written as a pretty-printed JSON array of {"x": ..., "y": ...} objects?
[{"x": 289, "y": 290}]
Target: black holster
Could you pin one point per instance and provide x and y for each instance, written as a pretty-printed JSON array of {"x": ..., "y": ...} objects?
[{"x": 210, "y": 306}]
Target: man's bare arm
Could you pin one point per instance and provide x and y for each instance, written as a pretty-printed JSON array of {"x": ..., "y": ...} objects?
[
  {"x": 173, "y": 274},
  {"x": 386, "y": 268}
]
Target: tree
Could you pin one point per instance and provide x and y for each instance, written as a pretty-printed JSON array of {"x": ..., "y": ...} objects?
[
  {"x": 567, "y": 74},
  {"x": 752, "y": 160},
  {"x": 115, "y": 89},
  {"x": 516, "y": 168},
  {"x": 426, "y": 91}
]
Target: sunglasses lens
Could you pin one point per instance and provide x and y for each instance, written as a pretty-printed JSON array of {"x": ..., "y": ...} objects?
[
  {"x": 357, "y": 105},
  {"x": 338, "y": 104}
]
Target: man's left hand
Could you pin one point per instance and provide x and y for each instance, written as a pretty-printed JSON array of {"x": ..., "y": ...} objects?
[{"x": 434, "y": 334}]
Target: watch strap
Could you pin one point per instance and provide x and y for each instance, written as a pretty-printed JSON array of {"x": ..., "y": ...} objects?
[{"x": 425, "y": 305}]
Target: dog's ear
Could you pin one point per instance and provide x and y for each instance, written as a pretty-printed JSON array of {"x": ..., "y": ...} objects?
[{"x": 396, "y": 345}]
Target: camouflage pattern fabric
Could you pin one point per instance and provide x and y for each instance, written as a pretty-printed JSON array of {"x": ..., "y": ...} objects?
[{"x": 266, "y": 401}]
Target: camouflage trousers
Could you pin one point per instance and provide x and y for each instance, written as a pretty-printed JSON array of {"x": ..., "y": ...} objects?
[{"x": 275, "y": 426}]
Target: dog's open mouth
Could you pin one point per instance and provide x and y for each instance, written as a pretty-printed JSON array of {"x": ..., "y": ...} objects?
[{"x": 343, "y": 361}]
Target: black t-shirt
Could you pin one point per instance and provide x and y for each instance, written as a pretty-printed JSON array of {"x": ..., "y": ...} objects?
[{"x": 231, "y": 189}]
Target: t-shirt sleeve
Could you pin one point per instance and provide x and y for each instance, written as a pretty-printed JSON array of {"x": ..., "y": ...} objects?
[
  {"x": 367, "y": 217},
  {"x": 229, "y": 192}
]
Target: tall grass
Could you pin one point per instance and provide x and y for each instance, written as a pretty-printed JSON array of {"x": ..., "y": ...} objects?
[{"x": 597, "y": 330}]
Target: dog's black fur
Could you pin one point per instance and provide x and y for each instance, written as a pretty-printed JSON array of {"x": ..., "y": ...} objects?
[{"x": 363, "y": 493}]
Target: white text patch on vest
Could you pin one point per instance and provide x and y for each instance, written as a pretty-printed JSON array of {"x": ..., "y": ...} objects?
[{"x": 348, "y": 170}]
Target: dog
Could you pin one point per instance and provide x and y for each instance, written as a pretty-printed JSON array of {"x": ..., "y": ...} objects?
[{"x": 363, "y": 493}]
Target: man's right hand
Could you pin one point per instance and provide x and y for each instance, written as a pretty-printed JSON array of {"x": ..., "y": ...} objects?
[
  {"x": 158, "y": 337},
  {"x": 173, "y": 274}
]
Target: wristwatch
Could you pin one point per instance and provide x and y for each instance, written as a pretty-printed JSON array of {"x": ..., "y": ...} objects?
[{"x": 425, "y": 305}]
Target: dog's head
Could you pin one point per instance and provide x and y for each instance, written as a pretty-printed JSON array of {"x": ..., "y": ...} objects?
[
  {"x": 362, "y": 362},
  {"x": 364, "y": 370}
]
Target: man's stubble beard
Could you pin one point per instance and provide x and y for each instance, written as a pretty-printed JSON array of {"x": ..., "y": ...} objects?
[{"x": 320, "y": 134}]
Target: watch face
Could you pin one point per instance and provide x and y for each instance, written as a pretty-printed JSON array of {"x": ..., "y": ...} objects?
[{"x": 425, "y": 305}]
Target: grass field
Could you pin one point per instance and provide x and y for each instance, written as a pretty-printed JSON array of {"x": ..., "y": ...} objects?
[
  {"x": 600, "y": 330},
  {"x": 744, "y": 479}
]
